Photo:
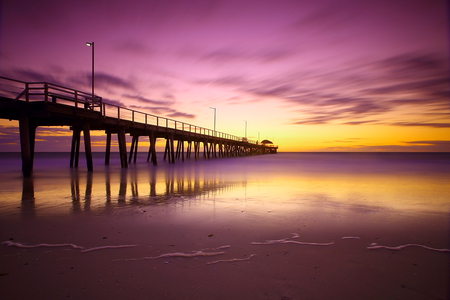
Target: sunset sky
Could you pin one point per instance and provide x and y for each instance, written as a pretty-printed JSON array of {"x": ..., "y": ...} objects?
[{"x": 322, "y": 75}]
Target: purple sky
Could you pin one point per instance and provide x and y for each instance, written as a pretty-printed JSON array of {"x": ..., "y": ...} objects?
[{"x": 312, "y": 75}]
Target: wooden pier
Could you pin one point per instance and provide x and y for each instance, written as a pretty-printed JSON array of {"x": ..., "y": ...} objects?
[{"x": 36, "y": 104}]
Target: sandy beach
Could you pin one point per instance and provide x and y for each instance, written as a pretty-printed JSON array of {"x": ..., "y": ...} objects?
[{"x": 304, "y": 230}]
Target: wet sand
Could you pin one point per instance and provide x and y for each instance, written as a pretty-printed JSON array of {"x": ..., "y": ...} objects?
[{"x": 289, "y": 234}]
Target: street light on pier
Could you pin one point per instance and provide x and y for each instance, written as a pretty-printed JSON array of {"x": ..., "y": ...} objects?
[
  {"x": 245, "y": 129},
  {"x": 214, "y": 119},
  {"x": 91, "y": 44}
]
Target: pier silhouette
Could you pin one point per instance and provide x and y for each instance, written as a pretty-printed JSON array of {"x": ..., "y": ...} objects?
[{"x": 36, "y": 104}]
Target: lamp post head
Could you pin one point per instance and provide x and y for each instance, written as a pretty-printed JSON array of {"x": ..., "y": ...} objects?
[{"x": 89, "y": 44}]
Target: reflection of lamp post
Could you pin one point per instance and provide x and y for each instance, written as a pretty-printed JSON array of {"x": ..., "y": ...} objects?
[
  {"x": 245, "y": 129},
  {"x": 214, "y": 119},
  {"x": 91, "y": 44}
]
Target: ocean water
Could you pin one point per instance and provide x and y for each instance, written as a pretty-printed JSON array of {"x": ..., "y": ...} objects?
[
  {"x": 290, "y": 224},
  {"x": 408, "y": 181}
]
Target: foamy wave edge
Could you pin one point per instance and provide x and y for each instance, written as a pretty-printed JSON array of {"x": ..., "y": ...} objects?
[
  {"x": 374, "y": 246},
  {"x": 230, "y": 260},
  {"x": 174, "y": 254},
  {"x": 19, "y": 245}
]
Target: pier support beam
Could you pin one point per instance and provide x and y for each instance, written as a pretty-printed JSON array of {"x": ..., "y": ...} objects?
[
  {"x": 196, "y": 149},
  {"x": 152, "y": 148},
  {"x": 133, "y": 149},
  {"x": 75, "y": 150},
  {"x": 180, "y": 150},
  {"x": 27, "y": 138},
  {"x": 122, "y": 147},
  {"x": 169, "y": 150},
  {"x": 87, "y": 147},
  {"x": 108, "y": 148},
  {"x": 189, "y": 149}
]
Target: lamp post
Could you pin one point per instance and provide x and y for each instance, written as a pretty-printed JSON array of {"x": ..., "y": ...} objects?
[
  {"x": 214, "y": 120},
  {"x": 245, "y": 129},
  {"x": 91, "y": 44}
]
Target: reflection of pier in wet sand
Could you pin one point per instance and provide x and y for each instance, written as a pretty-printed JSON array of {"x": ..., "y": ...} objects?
[
  {"x": 36, "y": 104},
  {"x": 125, "y": 190}
]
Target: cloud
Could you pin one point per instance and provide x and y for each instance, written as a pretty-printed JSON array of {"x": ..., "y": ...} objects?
[
  {"x": 29, "y": 75},
  {"x": 164, "y": 111},
  {"x": 422, "y": 124},
  {"x": 177, "y": 114},
  {"x": 149, "y": 101},
  {"x": 104, "y": 80},
  {"x": 434, "y": 143},
  {"x": 133, "y": 47},
  {"x": 355, "y": 91},
  {"x": 412, "y": 146},
  {"x": 360, "y": 122},
  {"x": 238, "y": 55}
]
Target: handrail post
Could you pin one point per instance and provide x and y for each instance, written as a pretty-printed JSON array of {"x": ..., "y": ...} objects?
[
  {"x": 46, "y": 91},
  {"x": 27, "y": 96},
  {"x": 76, "y": 99}
]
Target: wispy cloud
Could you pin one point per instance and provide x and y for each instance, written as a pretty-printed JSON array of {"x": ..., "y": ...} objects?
[
  {"x": 359, "y": 93},
  {"x": 149, "y": 101},
  {"x": 424, "y": 124},
  {"x": 413, "y": 146},
  {"x": 163, "y": 111}
]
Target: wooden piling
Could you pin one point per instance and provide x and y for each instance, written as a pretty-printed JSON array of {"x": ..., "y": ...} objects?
[
  {"x": 122, "y": 147},
  {"x": 152, "y": 149},
  {"x": 27, "y": 163},
  {"x": 75, "y": 150},
  {"x": 133, "y": 149},
  {"x": 108, "y": 148},
  {"x": 87, "y": 147}
]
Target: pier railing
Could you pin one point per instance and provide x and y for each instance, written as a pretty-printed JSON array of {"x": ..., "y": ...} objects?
[{"x": 48, "y": 92}]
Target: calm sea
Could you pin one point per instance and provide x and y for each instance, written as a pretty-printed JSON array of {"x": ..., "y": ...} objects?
[
  {"x": 278, "y": 226},
  {"x": 411, "y": 181}
]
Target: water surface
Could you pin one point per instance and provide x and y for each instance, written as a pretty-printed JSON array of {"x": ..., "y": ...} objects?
[{"x": 289, "y": 224}]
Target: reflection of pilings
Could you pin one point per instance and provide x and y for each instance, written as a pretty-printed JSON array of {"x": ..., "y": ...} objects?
[
  {"x": 153, "y": 185},
  {"x": 123, "y": 184},
  {"x": 88, "y": 192},
  {"x": 108, "y": 186},
  {"x": 134, "y": 184},
  {"x": 176, "y": 183},
  {"x": 75, "y": 185},
  {"x": 75, "y": 190},
  {"x": 27, "y": 207}
]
